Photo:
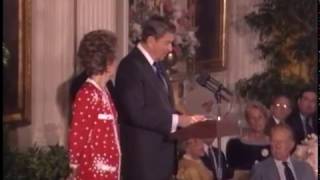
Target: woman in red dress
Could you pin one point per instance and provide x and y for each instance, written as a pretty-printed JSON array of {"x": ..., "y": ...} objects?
[{"x": 94, "y": 149}]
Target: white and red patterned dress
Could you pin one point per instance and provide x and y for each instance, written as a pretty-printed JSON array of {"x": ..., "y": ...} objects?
[{"x": 93, "y": 138}]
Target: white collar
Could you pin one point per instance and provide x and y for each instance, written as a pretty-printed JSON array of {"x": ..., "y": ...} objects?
[
  {"x": 89, "y": 80},
  {"x": 94, "y": 83},
  {"x": 146, "y": 54},
  {"x": 206, "y": 148},
  {"x": 303, "y": 118},
  {"x": 277, "y": 121},
  {"x": 280, "y": 167},
  {"x": 280, "y": 162},
  {"x": 187, "y": 156}
]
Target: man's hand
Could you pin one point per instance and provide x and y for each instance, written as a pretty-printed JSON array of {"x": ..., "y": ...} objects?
[{"x": 185, "y": 120}]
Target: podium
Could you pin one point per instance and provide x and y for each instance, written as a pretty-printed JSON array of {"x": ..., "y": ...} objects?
[{"x": 207, "y": 129}]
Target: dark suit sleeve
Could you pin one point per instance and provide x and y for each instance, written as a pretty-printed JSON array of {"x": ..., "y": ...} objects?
[
  {"x": 140, "y": 110},
  {"x": 307, "y": 171},
  {"x": 256, "y": 173},
  {"x": 227, "y": 171},
  {"x": 232, "y": 152}
]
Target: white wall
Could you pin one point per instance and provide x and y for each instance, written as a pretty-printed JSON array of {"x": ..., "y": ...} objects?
[
  {"x": 240, "y": 54},
  {"x": 52, "y": 63}
]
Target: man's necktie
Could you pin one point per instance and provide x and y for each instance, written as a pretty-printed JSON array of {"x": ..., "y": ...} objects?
[
  {"x": 304, "y": 126},
  {"x": 159, "y": 72},
  {"x": 310, "y": 128},
  {"x": 287, "y": 171},
  {"x": 212, "y": 161}
]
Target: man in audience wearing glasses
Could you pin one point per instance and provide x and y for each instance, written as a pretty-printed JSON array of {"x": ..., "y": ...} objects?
[{"x": 280, "y": 109}]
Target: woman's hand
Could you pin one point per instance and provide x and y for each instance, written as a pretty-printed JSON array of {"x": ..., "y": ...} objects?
[{"x": 74, "y": 169}]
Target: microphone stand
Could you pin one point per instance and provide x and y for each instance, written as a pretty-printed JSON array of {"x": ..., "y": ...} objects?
[{"x": 218, "y": 97}]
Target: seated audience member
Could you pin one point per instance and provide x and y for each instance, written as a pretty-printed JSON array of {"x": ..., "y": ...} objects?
[
  {"x": 210, "y": 160},
  {"x": 303, "y": 120},
  {"x": 281, "y": 166},
  {"x": 280, "y": 110},
  {"x": 253, "y": 146},
  {"x": 190, "y": 165}
]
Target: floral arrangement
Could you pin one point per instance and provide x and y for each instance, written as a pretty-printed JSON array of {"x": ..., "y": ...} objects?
[
  {"x": 185, "y": 43},
  {"x": 308, "y": 151}
]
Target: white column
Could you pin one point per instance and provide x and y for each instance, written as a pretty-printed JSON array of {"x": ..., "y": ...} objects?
[
  {"x": 122, "y": 26},
  {"x": 95, "y": 14},
  {"x": 52, "y": 61},
  {"x": 241, "y": 53},
  {"x": 103, "y": 14},
  {"x": 57, "y": 27}
]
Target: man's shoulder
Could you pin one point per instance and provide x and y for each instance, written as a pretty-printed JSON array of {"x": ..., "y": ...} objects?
[
  {"x": 132, "y": 59},
  {"x": 294, "y": 120},
  {"x": 303, "y": 168},
  {"x": 264, "y": 170},
  {"x": 267, "y": 163},
  {"x": 300, "y": 163},
  {"x": 293, "y": 117}
]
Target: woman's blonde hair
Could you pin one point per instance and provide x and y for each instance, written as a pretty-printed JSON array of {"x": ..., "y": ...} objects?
[{"x": 256, "y": 105}]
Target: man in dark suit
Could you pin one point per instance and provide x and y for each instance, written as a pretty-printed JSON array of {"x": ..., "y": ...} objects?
[
  {"x": 146, "y": 114},
  {"x": 280, "y": 109},
  {"x": 303, "y": 120},
  {"x": 210, "y": 160},
  {"x": 281, "y": 166}
]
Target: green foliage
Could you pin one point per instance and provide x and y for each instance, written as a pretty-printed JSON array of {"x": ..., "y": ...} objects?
[
  {"x": 262, "y": 87},
  {"x": 36, "y": 163},
  {"x": 287, "y": 31}
]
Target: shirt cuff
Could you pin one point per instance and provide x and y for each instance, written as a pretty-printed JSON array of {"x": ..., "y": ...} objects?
[
  {"x": 73, "y": 166},
  {"x": 175, "y": 121}
]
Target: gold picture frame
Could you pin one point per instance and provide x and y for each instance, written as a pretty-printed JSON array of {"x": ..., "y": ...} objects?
[
  {"x": 17, "y": 71},
  {"x": 210, "y": 19}
]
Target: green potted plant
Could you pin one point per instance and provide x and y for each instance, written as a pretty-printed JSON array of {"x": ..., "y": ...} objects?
[
  {"x": 287, "y": 31},
  {"x": 38, "y": 164}
]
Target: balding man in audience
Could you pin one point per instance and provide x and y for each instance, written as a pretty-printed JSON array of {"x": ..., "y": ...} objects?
[{"x": 281, "y": 166}]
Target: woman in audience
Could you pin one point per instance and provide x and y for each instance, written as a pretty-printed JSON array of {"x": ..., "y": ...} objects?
[
  {"x": 253, "y": 146},
  {"x": 191, "y": 166}
]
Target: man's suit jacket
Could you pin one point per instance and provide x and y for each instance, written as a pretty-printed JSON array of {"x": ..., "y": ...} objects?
[
  {"x": 295, "y": 122},
  {"x": 267, "y": 170},
  {"x": 208, "y": 162},
  {"x": 145, "y": 115}
]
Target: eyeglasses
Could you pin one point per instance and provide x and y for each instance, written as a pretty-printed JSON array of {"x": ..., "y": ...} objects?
[{"x": 285, "y": 106}]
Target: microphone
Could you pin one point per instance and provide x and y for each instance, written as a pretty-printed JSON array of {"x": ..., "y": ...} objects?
[
  {"x": 215, "y": 82},
  {"x": 205, "y": 80}
]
